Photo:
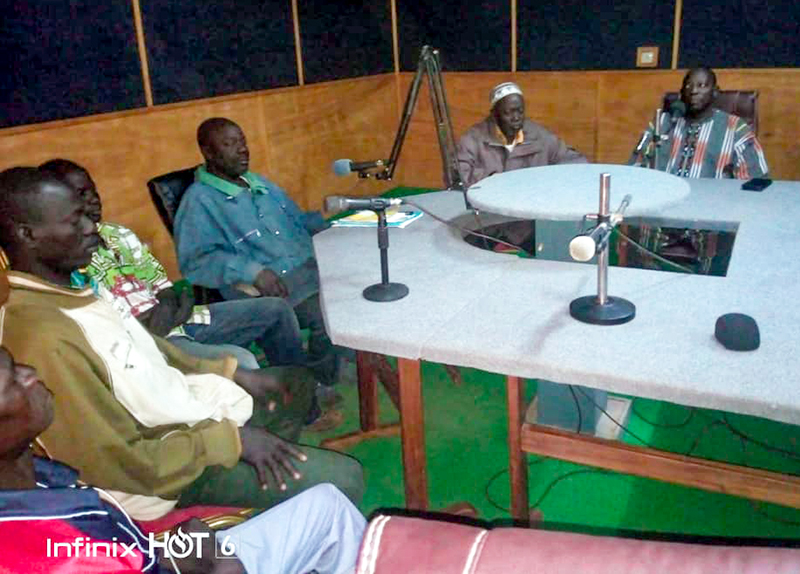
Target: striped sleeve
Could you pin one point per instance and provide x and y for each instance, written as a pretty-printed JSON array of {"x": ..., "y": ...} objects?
[{"x": 749, "y": 159}]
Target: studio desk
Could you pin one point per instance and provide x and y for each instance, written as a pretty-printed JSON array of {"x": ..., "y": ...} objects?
[{"x": 509, "y": 315}]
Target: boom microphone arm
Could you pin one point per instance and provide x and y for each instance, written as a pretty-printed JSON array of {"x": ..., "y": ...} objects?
[{"x": 429, "y": 65}]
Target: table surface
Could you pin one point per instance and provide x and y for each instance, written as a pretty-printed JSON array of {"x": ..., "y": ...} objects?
[
  {"x": 570, "y": 191},
  {"x": 510, "y": 315}
]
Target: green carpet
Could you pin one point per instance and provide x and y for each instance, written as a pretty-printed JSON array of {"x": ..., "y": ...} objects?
[{"x": 468, "y": 457}]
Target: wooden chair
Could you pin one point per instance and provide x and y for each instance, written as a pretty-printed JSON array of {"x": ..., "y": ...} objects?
[
  {"x": 166, "y": 192},
  {"x": 743, "y": 103}
]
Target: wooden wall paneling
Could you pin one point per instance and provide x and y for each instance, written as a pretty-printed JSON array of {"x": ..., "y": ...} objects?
[
  {"x": 308, "y": 129},
  {"x": 468, "y": 98},
  {"x": 296, "y": 133},
  {"x": 564, "y": 102},
  {"x": 629, "y": 101},
  {"x": 778, "y": 124}
]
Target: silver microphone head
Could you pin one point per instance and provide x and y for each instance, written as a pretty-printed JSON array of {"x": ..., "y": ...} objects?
[
  {"x": 582, "y": 248},
  {"x": 335, "y": 204}
]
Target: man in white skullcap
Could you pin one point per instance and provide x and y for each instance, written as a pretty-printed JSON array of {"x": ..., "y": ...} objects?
[{"x": 507, "y": 140}]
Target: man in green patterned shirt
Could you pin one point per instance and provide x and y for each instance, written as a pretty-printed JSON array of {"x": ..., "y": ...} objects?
[{"x": 125, "y": 272}]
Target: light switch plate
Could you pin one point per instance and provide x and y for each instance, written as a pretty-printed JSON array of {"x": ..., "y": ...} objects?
[{"x": 647, "y": 56}]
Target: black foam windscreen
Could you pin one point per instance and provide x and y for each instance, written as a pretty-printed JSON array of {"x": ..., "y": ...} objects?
[{"x": 737, "y": 332}]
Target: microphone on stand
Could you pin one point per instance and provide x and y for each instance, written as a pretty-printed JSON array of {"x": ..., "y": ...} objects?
[
  {"x": 677, "y": 110},
  {"x": 385, "y": 290},
  {"x": 343, "y": 167},
  {"x": 337, "y": 203},
  {"x": 640, "y": 146},
  {"x": 583, "y": 247}
]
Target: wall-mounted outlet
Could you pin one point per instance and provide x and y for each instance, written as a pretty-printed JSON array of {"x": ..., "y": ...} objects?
[{"x": 647, "y": 56}]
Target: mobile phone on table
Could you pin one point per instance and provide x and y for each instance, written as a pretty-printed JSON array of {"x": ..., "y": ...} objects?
[{"x": 757, "y": 184}]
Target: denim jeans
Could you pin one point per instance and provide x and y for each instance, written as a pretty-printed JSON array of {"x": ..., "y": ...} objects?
[
  {"x": 322, "y": 357},
  {"x": 269, "y": 321}
]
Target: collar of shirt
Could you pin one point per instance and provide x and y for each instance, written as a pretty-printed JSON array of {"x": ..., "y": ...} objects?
[
  {"x": 501, "y": 137},
  {"x": 254, "y": 185}
]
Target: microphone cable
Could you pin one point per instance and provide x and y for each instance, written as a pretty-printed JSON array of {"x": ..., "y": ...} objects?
[
  {"x": 652, "y": 423},
  {"x": 577, "y": 408},
  {"x": 652, "y": 253},
  {"x": 469, "y": 231},
  {"x": 582, "y": 225}
]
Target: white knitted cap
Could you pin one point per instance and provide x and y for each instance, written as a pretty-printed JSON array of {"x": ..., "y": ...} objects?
[{"x": 500, "y": 91}]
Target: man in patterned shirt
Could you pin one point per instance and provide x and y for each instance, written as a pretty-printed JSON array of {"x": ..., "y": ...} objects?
[
  {"x": 706, "y": 142},
  {"x": 124, "y": 268}
]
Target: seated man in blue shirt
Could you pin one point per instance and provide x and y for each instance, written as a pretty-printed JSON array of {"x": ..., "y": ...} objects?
[{"x": 242, "y": 234}]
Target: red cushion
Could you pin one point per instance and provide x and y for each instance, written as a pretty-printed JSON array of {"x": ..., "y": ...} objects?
[
  {"x": 179, "y": 515},
  {"x": 402, "y": 545}
]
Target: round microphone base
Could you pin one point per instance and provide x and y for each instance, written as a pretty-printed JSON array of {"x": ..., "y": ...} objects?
[
  {"x": 616, "y": 310},
  {"x": 385, "y": 292}
]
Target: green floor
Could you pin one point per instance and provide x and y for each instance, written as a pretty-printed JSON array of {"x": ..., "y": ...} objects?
[{"x": 467, "y": 461}]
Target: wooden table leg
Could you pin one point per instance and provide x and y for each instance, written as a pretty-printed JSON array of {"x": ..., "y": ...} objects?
[
  {"x": 517, "y": 459},
  {"x": 371, "y": 370},
  {"x": 367, "y": 391},
  {"x": 412, "y": 433}
]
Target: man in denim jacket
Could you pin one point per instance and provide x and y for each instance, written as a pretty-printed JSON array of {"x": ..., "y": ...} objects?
[{"x": 240, "y": 233}]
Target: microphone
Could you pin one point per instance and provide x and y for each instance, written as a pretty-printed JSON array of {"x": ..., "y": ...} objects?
[
  {"x": 347, "y": 166},
  {"x": 583, "y": 247},
  {"x": 336, "y": 203},
  {"x": 677, "y": 109},
  {"x": 640, "y": 145}
]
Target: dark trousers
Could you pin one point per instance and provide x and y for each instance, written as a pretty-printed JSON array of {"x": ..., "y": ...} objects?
[{"x": 239, "y": 486}]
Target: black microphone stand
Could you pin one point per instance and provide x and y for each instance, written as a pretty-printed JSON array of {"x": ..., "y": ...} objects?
[{"x": 384, "y": 291}]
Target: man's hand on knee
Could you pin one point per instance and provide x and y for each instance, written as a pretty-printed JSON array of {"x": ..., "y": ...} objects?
[
  {"x": 261, "y": 384},
  {"x": 270, "y": 455},
  {"x": 269, "y": 284}
]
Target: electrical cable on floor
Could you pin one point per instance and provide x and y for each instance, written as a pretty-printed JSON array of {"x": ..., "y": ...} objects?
[
  {"x": 765, "y": 446},
  {"x": 577, "y": 408},
  {"x": 553, "y": 483},
  {"x": 754, "y": 503},
  {"x": 497, "y": 475},
  {"x": 701, "y": 434},
  {"x": 547, "y": 489},
  {"x": 612, "y": 419},
  {"x": 663, "y": 425}
]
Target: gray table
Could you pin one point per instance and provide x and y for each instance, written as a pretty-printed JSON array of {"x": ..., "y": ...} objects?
[{"x": 509, "y": 315}]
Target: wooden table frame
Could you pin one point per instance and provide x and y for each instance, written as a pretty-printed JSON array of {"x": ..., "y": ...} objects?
[
  {"x": 636, "y": 460},
  {"x": 588, "y": 450}
]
